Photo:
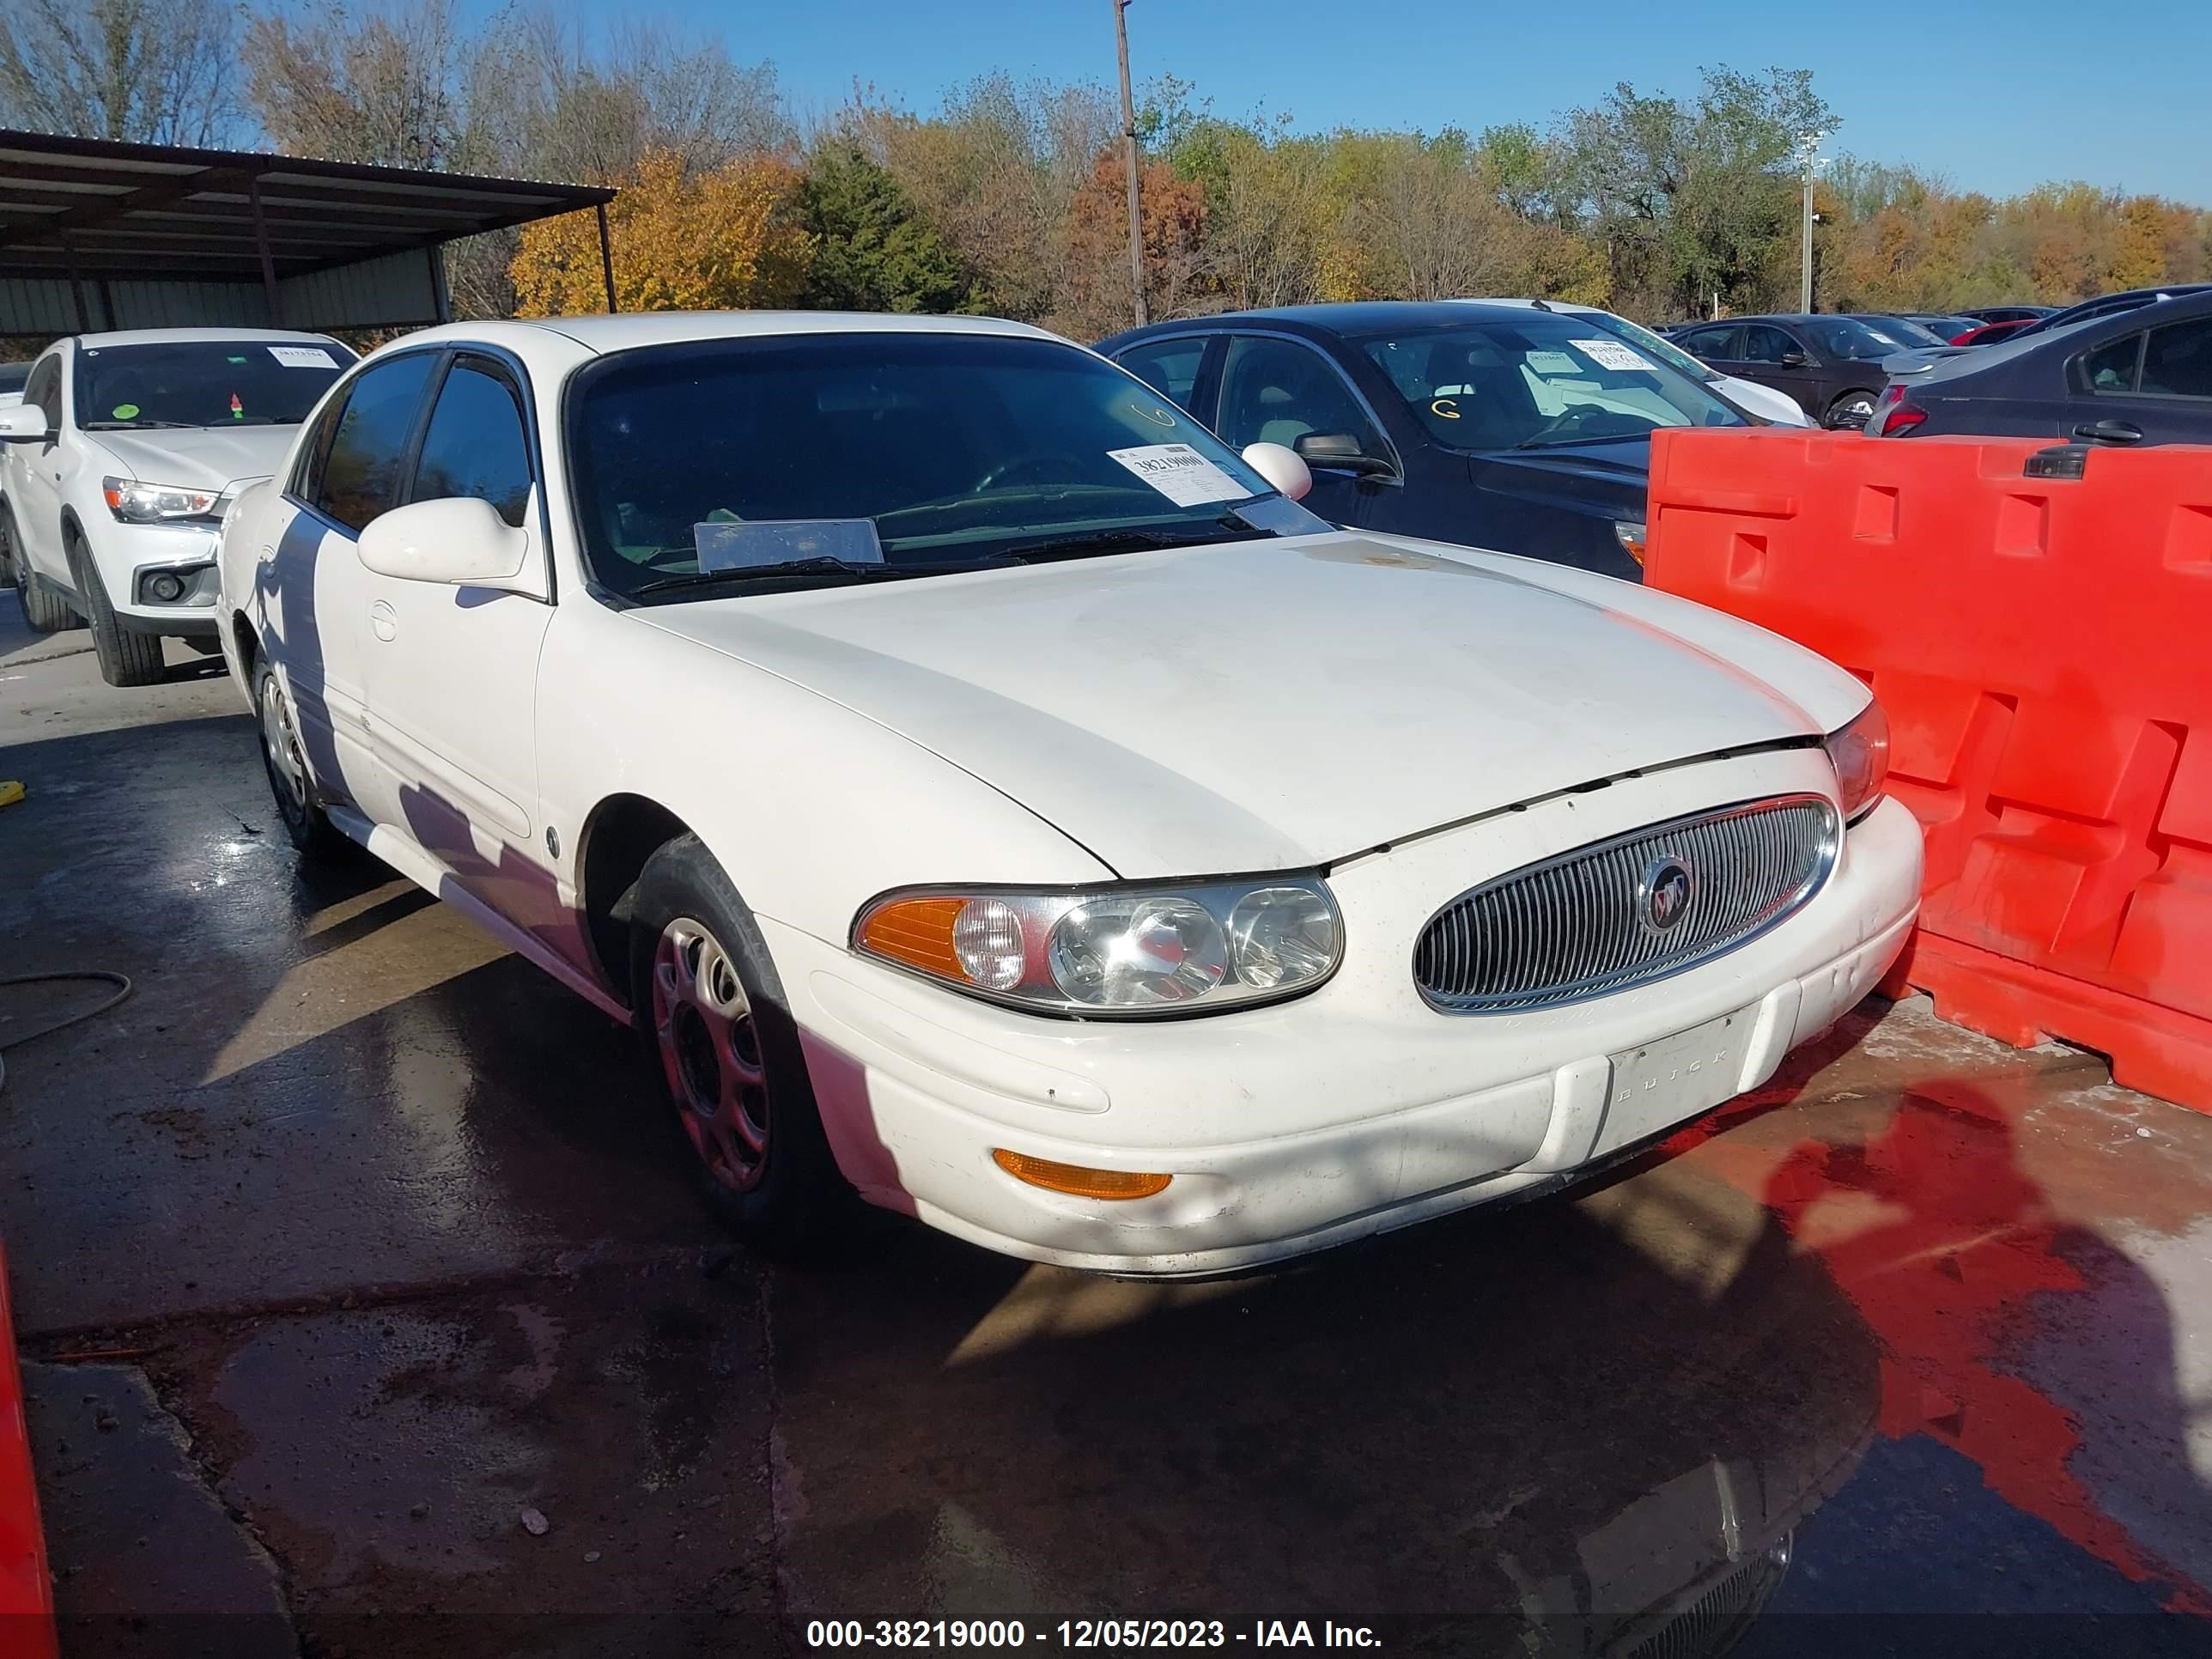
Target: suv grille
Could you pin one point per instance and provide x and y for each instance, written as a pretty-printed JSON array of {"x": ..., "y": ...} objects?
[{"x": 1627, "y": 911}]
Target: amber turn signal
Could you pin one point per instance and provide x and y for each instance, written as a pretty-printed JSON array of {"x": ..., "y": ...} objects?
[
  {"x": 1075, "y": 1179},
  {"x": 917, "y": 932}
]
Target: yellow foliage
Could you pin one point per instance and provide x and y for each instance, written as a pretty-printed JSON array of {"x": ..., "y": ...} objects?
[{"x": 724, "y": 239}]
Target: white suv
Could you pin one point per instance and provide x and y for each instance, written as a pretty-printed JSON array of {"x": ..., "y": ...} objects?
[{"x": 118, "y": 464}]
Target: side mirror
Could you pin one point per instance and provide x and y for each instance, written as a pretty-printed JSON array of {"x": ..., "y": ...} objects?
[
  {"x": 1284, "y": 468},
  {"x": 25, "y": 423},
  {"x": 1342, "y": 451},
  {"x": 1795, "y": 360},
  {"x": 460, "y": 541}
]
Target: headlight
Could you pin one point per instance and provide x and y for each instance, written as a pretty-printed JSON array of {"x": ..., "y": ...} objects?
[
  {"x": 1860, "y": 754},
  {"x": 1118, "y": 953},
  {"x": 151, "y": 504}
]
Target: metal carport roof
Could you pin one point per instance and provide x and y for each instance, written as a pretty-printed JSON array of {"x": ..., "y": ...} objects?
[{"x": 99, "y": 234}]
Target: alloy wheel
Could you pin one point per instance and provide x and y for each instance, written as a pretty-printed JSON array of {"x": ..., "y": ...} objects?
[{"x": 710, "y": 1051}]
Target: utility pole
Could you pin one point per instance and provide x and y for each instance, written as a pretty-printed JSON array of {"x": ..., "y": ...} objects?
[
  {"x": 1809, "y": 163},
  {"x": 1129, "y": 166}
]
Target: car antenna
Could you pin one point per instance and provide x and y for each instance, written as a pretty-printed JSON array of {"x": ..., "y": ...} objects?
[{"x": 1539, "y": 305}]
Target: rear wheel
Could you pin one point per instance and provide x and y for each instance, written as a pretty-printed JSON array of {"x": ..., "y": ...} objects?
[
  {"x": 726, "y": 1057},
  {"x": 45, "y": 612},
  {"x": 125, "y": 657},
  {"x": 1851, "y": 411}
]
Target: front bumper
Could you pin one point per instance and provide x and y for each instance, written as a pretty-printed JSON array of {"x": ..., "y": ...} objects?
[
  {"x": 130, "y": 554},
  {"x": 1352, "y": 1111}
]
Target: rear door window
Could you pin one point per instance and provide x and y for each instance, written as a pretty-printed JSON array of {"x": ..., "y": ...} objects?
[
  {"x": 368, "y": 460},
  {"x": 2177, "y": 359},
  {"x": 1711, "y": 343}
]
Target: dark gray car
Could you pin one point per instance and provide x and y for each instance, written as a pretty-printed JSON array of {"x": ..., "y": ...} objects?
[
  {"x": 2141, "y": 377},
  {"x": 1831, "y": 365}
]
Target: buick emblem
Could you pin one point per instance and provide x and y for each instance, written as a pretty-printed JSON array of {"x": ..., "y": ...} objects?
[{"x": 1666, "y": 890}]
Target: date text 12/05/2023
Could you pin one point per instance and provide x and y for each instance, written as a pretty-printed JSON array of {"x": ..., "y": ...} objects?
[{"x": 1004, "y": 1633}]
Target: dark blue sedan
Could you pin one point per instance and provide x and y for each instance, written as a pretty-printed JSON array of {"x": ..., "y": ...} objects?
[{"x": 1521, "y": 430}]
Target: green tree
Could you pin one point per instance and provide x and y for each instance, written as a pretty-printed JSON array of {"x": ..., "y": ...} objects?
[{"x": 872, "y": 251}]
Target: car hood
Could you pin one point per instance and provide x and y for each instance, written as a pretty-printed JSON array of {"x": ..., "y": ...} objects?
[
  {"x": 1277, "y": 704},
  {"x": 199, "y": 458},
  {"x": 1607, "y": 478}
]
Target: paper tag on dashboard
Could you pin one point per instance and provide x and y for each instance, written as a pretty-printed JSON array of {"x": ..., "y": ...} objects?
[
  {"x": 1551, "y": 362},
  {"x": 1611, "y": 354},
  {"x": 1179, "y": 473},
  {"x": 303, "y": 357}
]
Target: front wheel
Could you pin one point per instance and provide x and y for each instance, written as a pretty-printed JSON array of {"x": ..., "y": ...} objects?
[
  {"x": 1851, "y": 412},
  {"x": 727, "y": 1057},
  {"x": 125, "y": 657},
  {"x": 310, "y": 831}
]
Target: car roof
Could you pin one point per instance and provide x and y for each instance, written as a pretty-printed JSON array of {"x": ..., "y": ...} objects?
[
  {"x": 182, "y": 336},
  {"x": 621, "y": 333},
  {"x": 2072, "y": 336},
  {"x": 1345, "y": 319}
]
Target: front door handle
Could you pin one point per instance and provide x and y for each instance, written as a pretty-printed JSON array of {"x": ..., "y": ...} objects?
[
  {"x": 383, "y": 620},
  {"x": 2109, "y": 432}
]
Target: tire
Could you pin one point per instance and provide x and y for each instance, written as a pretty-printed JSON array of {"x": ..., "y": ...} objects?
[
  {"x": 45, "y": 613},
  {"x": 727, "y": 1061},
  {"x": 290, "y": 781},
  {"x": 1850, "y": 412},
  {"x": 125, "y": 657}
]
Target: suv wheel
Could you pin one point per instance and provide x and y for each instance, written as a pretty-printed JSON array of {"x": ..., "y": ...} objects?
[
  {"x": 45, "y": 612},
  {"x": 125, "y": 657}
]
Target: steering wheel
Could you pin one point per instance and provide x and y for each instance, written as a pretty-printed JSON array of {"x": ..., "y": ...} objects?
[{"x": 1071, "y": 465}]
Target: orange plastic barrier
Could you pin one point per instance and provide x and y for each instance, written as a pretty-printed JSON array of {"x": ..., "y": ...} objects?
[
  {"x": 2040, "y": 645},
  {"x": 27, "y": 1596}
]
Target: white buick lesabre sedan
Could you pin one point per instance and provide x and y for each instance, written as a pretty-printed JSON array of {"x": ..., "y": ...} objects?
[{"x": 993, "y": 796}]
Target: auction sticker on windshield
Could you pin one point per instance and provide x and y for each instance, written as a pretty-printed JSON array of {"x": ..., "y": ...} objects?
[
  {"x": 1611, "y": 354},
  {"x": 303, "y": 357},
  {"x": 1550, "y": 362},
  {"x": 1179, "y": 473}
]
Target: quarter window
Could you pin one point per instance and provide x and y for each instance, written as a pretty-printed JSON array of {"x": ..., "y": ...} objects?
[
  {"x": 2177, "y": 360},
  {"x": 2111, "y": 367},
  {"x": 361, "y": 475},
  {"x": 1168, "y": 366},
  {"x": 1277, "y": 391},
  {"x": 476, "y": 444}
]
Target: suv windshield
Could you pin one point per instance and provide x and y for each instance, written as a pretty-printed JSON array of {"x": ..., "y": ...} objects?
[
  {"x": 204, "y": 382},
  {"x": 698, "y": 461},
  {"x": 1539, "y": 382}
]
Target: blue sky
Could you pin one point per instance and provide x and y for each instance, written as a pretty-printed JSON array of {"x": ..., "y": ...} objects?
[{"x": 1994, "y": 96}]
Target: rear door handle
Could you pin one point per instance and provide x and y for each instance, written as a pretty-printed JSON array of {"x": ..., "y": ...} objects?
[{"x": 2110, "y": 432}]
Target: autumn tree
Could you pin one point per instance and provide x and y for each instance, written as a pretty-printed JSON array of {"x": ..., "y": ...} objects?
[
  {"x": 724, "y": 239},
  {"x": 1094, "y": 298}
]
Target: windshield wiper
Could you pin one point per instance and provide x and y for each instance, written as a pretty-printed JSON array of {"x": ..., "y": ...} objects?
[
  {"x": 125, "y": 426},
  {"x": 855, "y": 568},
  {"x": 1083, "y": 543}
]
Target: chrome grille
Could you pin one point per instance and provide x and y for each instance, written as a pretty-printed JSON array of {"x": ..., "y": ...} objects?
[{"x": 1582, "y": 924}]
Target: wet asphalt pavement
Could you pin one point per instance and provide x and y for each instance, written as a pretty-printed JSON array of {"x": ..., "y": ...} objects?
[{"x": 347, "y": 1248}]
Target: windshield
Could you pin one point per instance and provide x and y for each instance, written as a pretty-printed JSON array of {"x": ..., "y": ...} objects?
[
  {"x": 204, "y": 382},
  {"x": 1855, "y": 341},
  {"x": 707, "y": 458},
  {"x": 1651, "y": 346},
  {"x": 1539, "y": 382}
]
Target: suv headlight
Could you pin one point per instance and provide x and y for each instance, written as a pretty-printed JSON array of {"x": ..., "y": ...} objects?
[
  {"x": 1150, "y": 950},
  {"x": 1860, "y": 754},
  {"x": 151, "y": 504}
]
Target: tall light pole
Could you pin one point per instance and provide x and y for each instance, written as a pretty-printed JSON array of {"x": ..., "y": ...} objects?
[
  {"x": 1809, "y": 163},
  {"x": 1129, "y": 166}
]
